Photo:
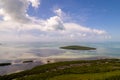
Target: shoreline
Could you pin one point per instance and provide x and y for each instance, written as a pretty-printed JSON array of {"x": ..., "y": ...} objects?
[
  {"x": 14, "y": 68},
  {"x": 80, "y": 67}
]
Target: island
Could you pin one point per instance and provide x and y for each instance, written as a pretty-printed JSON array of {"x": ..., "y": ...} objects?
[
  {"x": 76, "y": 47},
  {"x": 5, "y": 64},
  {"x": 29, "y": 61}
]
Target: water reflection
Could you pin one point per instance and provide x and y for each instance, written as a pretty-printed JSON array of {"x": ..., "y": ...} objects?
[
  {"x": 46, "y": 52},
  {"x": 17, "y": 67}
]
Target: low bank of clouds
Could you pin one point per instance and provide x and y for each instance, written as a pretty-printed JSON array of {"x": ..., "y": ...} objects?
[{"x": 17, "y": 25}]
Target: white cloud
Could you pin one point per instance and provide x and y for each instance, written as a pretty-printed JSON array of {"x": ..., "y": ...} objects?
[
  {"x": 16, "y": 10},
  {"x": 17, "y": 25},
  {"x": 59, "y": 12},
  {"x": 54, "y": 23},
  {"x": 65, "y": 17},
  {"x": 73, "y": 27},
  {"x": 38, "y": 32},
  {"x": 35, "y": 3},
  {"x": 82, "y": 33}
]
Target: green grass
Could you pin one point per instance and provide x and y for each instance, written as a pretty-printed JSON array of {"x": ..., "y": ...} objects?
[
  {"x": 92, "y": 76},
  {"x": 92, "y": 69},
  {"x": 75, "y": 47}
]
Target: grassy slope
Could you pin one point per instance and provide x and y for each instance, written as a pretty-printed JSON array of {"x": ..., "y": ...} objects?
[
  {"x": 71, "y": 69},
  {"x": 88, "y": 76}
]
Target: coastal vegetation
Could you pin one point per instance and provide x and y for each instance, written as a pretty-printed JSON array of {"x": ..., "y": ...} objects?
[
  {"x": 75, "y": 47},
  {"x": 103, "y": 69}
]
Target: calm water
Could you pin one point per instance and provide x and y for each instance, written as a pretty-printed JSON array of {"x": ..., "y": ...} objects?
[{"x": 18, "y": 52}]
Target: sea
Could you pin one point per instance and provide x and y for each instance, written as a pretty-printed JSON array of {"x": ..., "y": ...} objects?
[{"x": 41, "y": 52}]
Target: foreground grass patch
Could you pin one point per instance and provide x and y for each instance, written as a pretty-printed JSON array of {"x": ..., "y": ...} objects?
[{"x": 88, "y": 76}]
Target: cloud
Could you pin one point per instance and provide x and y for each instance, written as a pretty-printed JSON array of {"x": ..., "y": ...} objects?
[
  {"x": 16, "y": 10},
  {"x": 54, "y": 23},
  {"x": 38, "y": 32},
  {"x": 59, "y": 12},
  {"x": 35, "y": 3},
  {"x": 83, "y": 30},
  {"x": 78, "y": 32},
  {"x": 17, "y": 25},
  {"x": 64, "y": 16}
]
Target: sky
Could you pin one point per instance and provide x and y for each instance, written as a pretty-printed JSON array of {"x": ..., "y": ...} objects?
[{"x": 59, "y": 20}]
